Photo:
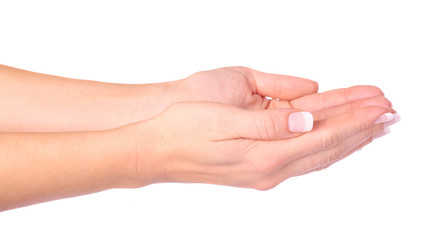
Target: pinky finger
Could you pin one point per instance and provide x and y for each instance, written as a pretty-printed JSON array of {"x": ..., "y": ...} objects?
[
  {"x": 347, "y": 154},
  {"x": 326, "y": 158},
  {"x": 384, "y": 132}
]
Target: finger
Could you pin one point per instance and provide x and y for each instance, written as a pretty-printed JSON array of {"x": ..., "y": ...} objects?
[
  {"x": 302, "y": 166},
  {"x": 270, "y": 124},
  {"x": 386, "y": 130},
  {"x": 325, "y": 135},
  {"x": 328, "y": 133},
  {"x": 353, "y": 150},
  {"x": 330, "y": 156},
  {"x": 324, "y": 159},
  {"x": 382, "y": 133},
  {"x": 336, "y": 110},
  {"x": 281, "y": 86},
  {"x": 321, "y": 101},
  {"x": 349, "y": 107}
]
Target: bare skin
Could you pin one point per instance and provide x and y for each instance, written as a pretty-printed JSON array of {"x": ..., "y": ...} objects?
[
  {"x": 37, "y": 102},
  {"x": 224, "y": 145},
  {"x": 212, "y": 127}
]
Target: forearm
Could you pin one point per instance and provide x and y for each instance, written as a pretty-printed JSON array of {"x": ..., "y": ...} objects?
[
  {"x": 44, "y": 103},
  {"x": 39, "y": 167}
]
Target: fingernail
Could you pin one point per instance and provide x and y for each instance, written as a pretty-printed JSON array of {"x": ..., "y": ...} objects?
[
  {"x": 396, "y": 119},
  {"x": 385, "y": 131},
  {"x": 300, "y": 122},
  {"x": 387, "y": 117}
]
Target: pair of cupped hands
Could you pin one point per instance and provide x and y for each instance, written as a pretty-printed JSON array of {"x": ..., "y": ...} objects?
[{"x": 240, "y": 127}]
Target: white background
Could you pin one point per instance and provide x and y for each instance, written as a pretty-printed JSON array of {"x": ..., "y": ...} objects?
[{"x": 373, "y": 194}]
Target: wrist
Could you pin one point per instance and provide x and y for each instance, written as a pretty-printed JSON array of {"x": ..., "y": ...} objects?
[
  {"x": 143, "y": 154},
  {"x": 122, "y": 104},
  {"x": 151, "y": 99}
]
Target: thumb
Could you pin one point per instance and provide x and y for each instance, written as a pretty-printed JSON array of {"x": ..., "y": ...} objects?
[
  {"x": 282, "y": 86},
  {"x": 272, "y": 124}
]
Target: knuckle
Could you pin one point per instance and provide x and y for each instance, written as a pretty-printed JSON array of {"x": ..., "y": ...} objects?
[
  {"x": 198, "y": 75},
  {"x": 331, "y": 156},
  {"x": 330, "y": 140},
  {"x": 266, "y": 126},
  {"x": 359, "y": 125},
  {"x": 240, "y": 68},
  {"x": 373, "y": 130}
]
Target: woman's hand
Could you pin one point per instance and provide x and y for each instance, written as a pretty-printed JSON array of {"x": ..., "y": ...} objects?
[
  {"x": 242, "y": 87},
  {"x": 242, "y": 139},
  {"x": 74, "y": 105},
  {"x": 247, "y": 88},
  {"x": 221, "y": 144}
]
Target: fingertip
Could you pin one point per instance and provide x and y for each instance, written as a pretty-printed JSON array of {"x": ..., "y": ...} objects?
[
  {"x": 373, "y": 101},
  {"x": 384, "y": 132},
  {"x": 315, "y": 86},
  {"x": 374, "y": 114},
  {"x": 385, "y": 117},
  {"x": 310, "y": 85},
  {"x": 397, "y": 117},
  {"x": 298, "y": 86},
  {"x": 365, "y": 91}
]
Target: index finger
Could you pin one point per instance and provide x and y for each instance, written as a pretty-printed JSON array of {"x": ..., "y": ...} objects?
[{"x": 320, "y": 101}]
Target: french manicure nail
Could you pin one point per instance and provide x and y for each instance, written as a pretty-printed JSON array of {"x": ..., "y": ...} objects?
[
  {"x": 396, "y": 119},
  {"x": 387, "y": 117},
  {"x": 300, "y": 122},
  {"x": 385, "y": 131}
]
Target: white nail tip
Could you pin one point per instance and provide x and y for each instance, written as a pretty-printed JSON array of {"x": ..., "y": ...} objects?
[
  {"x": 387, "y": 117},
  {"x": 308, "y": 121},
  {"x": 385, "y": 131},
  {"x": 397, "y": 117}
]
